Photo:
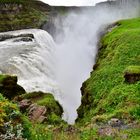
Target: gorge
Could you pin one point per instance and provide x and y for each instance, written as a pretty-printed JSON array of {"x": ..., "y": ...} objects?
[{"x": 59, "y": 64}]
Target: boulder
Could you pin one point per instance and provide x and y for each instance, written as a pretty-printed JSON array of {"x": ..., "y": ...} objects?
[
  {"x": 36, "y": 113},
  {"x": 9, "y": 87}
]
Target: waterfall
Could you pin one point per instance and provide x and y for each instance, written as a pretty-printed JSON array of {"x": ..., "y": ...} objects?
[
  {"x": 32, "y": 61},
  {"x": 59, "y": 67}
]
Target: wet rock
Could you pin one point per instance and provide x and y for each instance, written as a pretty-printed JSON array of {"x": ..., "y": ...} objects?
[
  {"x": 95, "y": 66},
  {"x": 36, "y": 113},
  {"x": 25, "y": 39},
  {"x": 24, "y": 104}
]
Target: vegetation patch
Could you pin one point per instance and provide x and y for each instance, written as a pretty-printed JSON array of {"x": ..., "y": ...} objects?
[
  {"x": 22, "y": 14},
  {"x": 107, "y": 94},
  {"x": 53, "y": 108}
]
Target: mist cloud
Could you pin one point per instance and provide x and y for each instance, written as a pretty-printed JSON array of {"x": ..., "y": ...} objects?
[{"x": 76, "y": 48}]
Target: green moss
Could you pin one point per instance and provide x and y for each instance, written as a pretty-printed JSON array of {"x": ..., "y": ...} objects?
[
  {"x": 2, "y": 77},
  {"x": 12, "y": 1},
  {"x": 106, "y": 90},
  {"x": 51, "y": 105},
  {"x": 133, "y": 69},
  {"x": 33, "y": 96}
]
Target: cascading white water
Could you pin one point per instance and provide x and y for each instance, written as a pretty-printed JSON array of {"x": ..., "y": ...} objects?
[
  {"x": 61, "y": 68},
  {"x": 33, "y": 62}
]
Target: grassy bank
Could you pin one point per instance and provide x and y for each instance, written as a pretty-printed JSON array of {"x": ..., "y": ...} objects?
[{"x": 108, "y": 93}]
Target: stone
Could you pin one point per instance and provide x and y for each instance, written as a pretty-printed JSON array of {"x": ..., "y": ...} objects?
[
  {"x": 24, "y": 39},
  {"x": 24, "y": 104},
  {"x": 41, "y": 119},
  {"x": 114, "y": 122},
  {"x": 36, "y": 113}
]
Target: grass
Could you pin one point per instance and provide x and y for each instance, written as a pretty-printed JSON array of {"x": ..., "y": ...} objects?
[
  {"x": 133, "y": 69},
  {"x": 2, "y": 77},
  {"x": 105, "y": 93}
]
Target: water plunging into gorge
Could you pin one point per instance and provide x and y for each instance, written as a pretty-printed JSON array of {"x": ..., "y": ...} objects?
[{"x": 62, "y": 66}]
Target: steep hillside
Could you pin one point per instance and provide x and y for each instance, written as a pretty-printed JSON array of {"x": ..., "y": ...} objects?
[
  {"x": 22, "y": 14},
  {"x": 113, "y": 90}
]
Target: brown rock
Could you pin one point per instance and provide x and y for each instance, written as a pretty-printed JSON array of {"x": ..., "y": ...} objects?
[
  {"x": 36, "y": 113},
  {"x": 24, "y": 104}
]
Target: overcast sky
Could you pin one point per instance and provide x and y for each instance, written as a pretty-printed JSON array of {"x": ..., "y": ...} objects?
[{"x": 72, "y": 2}]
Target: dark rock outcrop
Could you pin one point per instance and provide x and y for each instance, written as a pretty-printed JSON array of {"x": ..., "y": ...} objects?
[
  {"x": 23, "y": 37},
  {"x": 132, "y": 74},
  {"x": 132, "y": 77},
  {"x": 9, "y": 87}
]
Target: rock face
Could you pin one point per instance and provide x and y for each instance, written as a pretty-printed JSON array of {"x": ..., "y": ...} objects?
[
  {"x": 22, "y": 14},
  {"x": 86, "y": 101},
  {"x": 12, "y": 8},
  {"x": 36, "y": 113},
  {"x": 9, "y": 87},
  {"x": 22, "y": 37}
]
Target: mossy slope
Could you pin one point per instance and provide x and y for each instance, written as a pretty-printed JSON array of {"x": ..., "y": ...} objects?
[
  {"x": 22, "y": 14},
  {"x": 105, "y": 93},
  {"x": 54, "y": 109}
]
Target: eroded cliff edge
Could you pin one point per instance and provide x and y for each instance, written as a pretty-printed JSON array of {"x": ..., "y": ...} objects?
[{"x": 113, "y": 90}]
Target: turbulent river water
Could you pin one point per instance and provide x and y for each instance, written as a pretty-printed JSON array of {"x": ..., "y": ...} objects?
[{"x": 62, "y": 66}]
